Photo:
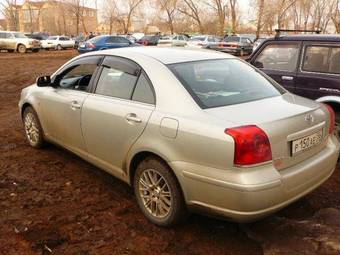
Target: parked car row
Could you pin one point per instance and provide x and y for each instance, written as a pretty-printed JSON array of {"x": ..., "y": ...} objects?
[{"x": 20, "y": 42}]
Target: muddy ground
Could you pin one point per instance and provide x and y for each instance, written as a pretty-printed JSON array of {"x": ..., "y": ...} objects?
[{"x": 52, "y": 202}]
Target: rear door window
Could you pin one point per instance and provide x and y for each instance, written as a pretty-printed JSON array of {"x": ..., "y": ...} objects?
[
  {"x": 280, "y": 57},
  {"x": 143, "y": 91},
  {"x": 118, "y": 78},
  {"x": 321, "y": 59}
]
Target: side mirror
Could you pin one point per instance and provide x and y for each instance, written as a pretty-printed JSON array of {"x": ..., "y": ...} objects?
[
  {"x": 44, "y": 81},
  {"x": 258, "y": 64}
]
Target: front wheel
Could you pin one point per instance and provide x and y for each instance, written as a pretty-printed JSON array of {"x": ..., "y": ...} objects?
[
  {"x": 59, "y": 47},
  {"x": 158, "y": 193},
  {"x": 22, "y": 48},
  {"x": 33, "y": 130}
]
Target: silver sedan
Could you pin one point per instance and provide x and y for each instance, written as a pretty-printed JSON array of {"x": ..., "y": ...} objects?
[{"x": 188, "y": 130}]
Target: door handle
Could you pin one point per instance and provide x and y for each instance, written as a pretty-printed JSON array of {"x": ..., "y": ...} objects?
[
  {"x": 133, "y": 118},
  {"x": 75, "y": 105},
  {"x": 287, "y": 78}
]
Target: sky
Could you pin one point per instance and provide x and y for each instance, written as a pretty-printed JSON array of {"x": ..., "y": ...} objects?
[{"x": 244, "y": 5}]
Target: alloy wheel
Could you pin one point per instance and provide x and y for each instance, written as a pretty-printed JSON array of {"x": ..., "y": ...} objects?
[
  {"x": 31, "y": 128},
  {"x": 155, "y": 193}
]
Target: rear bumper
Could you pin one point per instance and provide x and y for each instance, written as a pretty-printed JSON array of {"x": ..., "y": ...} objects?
[
  {"x": 248, "y": 194},
  {"x": 234, "y": 51}
]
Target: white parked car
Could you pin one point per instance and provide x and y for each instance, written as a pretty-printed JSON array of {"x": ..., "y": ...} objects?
[
  {"x": 173, "y": 41},
  {"x": 16, "y": 41},
  {"x": 201, "y": 41},
  {"x": 57, "y": 43}
]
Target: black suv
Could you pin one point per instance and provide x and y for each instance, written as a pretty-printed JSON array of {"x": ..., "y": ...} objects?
[{"x": 306, "y": 65}]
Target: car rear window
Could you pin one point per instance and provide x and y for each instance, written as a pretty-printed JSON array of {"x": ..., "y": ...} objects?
[
  {"x": 232, "y": 39},
  {"x": 222, "y": 82},
  {"x": 197, "y": 38}
]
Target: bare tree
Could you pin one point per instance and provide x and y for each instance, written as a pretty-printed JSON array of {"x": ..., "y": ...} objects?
[
  {"x": 260, "y": 12},
  {"x": 221, "y": 9},
  {"x": 9, "y": 11},
  {"x": 233, "y": 11},
  {"x": 282, "y": 7},
  {"x": 336, "y": 16},
  {"x": 169, "y": 7},
  {"x": 191, "y": 8},
  {"x": 124, "y": 18}
]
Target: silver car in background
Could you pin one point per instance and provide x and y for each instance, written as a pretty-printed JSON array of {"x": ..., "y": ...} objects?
[{"x": 187, "y": 129}]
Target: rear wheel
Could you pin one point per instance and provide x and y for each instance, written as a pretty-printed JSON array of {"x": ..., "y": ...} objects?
[
  {"x": 33, "y": 130},
  {"x": 59, "y": 47},
  {"x": 158, "y": 193},
  {"x": 21, "y": 48}
]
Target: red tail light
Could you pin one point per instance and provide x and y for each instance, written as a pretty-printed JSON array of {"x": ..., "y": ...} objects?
[
  {"x": 90, "y": 45},
  {"x": 331, "y": 118},
  {"x": 252, "y": 145},
  {"x": 145, "y": 43}
]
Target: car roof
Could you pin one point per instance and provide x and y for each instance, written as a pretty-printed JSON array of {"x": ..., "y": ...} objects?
[
  {"x": 306, "y": 37},
  {"x": 169, "y": 55}
]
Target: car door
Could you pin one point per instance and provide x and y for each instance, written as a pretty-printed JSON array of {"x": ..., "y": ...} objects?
[
  {"x": 115, "y": 115},
  {"x": 10, "y": 41},
  {"x": 62, "y": 103},
  {"x": 67, "y": 42},
  {"x": 279, "y": 60},
  {"x": 319, "y": 72},
  {"x": 2, "y": 40},
  {"x": 62, "y": 42}
]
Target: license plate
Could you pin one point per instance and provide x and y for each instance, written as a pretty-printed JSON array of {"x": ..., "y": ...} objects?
[{"x": 306, "y": 142}]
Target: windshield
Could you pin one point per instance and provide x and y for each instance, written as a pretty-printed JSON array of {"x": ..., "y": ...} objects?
[
  {"x": 19, "y": 35},
  {"x": 197, "y": 38},
  {"x": 147, "y": 37},
  {"x": 232, "y": 39},
  {"x": 52, "y": 38},
  {"x": 214, "y": 83}
]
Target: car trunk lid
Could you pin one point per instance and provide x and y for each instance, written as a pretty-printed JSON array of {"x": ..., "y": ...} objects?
[{"x": 284, "y": 119}]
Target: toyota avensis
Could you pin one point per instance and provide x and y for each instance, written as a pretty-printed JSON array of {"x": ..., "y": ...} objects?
[{"x": 187, "y": 129}]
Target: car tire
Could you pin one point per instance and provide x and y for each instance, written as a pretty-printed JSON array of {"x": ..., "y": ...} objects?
[
  {"x": 158, "y": 193},
  {"x": 21, "y": 48},
  {"x": 59, "y": 47},
  {"x": 33, "y": 130}
]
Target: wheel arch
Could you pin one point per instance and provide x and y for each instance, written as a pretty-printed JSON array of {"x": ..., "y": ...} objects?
[
  {"x": 24, "y": 106},
  {"x": 137, "y": 158},
  {"x": 333, "y": 101}
]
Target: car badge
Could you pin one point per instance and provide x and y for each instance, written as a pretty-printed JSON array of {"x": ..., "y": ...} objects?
[{"x": 309, "y": 118}]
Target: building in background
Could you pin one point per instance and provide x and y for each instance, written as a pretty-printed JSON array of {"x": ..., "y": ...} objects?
[{"x": 53, "y": 17}]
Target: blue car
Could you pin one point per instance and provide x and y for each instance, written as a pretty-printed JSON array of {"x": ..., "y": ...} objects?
[{"x": 104, "y": 42}]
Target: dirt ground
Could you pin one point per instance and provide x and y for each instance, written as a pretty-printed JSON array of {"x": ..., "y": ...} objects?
[{"x": 52, "y": 202}]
